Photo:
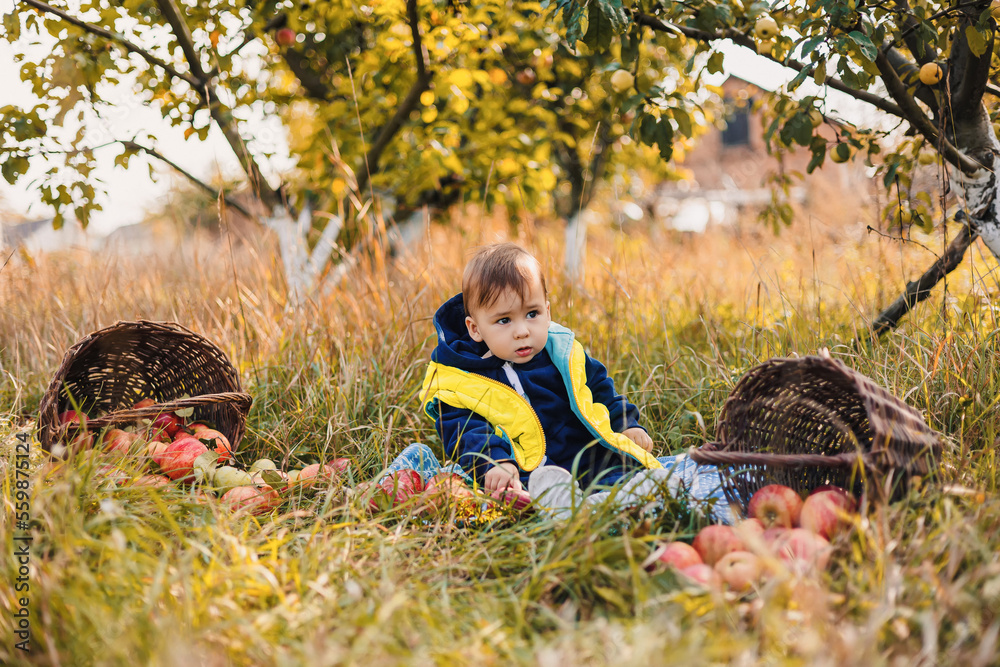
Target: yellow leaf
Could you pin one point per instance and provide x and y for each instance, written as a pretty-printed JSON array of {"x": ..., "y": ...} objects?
[
  {"x": 461, "y": 78},
  {"x": 188, "y": 132},
  {"x": 427, "y": 98},
  {"x": 546, "y": 179},
  {"x": 338, "y": 187},
  {"x": 460, "y": 104},
  {"x": 498, "y": 77},
  {"x": 429, "y": 114}
]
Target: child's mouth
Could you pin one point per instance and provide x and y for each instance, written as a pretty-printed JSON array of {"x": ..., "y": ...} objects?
[{"x": 524, "y": 351}]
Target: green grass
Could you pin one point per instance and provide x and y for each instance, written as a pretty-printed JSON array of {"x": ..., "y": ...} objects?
[{"x": 166, "y": 577}]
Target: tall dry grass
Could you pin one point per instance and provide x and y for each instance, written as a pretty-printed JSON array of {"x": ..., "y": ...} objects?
[{"x": 129, "y": 577}]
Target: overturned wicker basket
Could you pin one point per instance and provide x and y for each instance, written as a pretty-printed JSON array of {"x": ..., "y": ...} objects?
[
  {"x": 814, "y": 421},
  {"x": 108, "y": 371}
]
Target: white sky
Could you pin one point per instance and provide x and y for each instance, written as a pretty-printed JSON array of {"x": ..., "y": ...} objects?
[{"x": 131, "y": 192}]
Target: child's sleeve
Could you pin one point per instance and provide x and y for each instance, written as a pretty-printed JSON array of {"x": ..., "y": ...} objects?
[
  {"x": 624, "y": 415},
  {"x": 471, "y": 439}
]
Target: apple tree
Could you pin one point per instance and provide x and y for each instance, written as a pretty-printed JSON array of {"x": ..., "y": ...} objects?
[
  {"x": 926, "y": 64},
  {"x": 417, "y": 100}
]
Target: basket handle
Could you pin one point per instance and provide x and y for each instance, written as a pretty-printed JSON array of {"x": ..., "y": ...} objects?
[{"x": 711, "y": 454}]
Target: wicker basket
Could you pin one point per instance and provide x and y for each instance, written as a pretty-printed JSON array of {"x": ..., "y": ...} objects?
[
  {"x": 108, "y": 371},
  {"x": 813, "y": 421}
]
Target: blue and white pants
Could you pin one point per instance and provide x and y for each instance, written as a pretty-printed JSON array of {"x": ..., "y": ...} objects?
[{"x": 555, "y": 489}]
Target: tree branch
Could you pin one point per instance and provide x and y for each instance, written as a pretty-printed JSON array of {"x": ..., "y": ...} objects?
[
  {"x": 739, "y": 38},
  {"x": 920, "y": 289},
  {"x": 969, "y": 73},
  {"x": 191, "y": 177},
  {"x": 184, "y": 38},
  {"x": 191, "y": 80},
  {"x": 921, "y": 123},
  {"x": 390, "y": 129}
]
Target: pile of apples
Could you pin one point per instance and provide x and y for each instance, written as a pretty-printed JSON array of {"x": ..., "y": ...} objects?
[
  {"x": 444, "y": 491},
  {"x": 781, "y": 528},
  {"x": 184, "y": 453}
]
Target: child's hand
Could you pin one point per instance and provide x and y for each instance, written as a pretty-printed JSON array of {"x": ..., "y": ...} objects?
[
  {"x": 503, "y": 476},
  {"x": 639, "y": 437}
]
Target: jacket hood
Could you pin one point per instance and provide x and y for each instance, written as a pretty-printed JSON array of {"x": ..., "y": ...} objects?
[{"x": 455, "y": 347}]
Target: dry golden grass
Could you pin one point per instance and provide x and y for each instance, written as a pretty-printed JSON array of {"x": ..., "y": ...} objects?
[{"x": 130, "y": 577}]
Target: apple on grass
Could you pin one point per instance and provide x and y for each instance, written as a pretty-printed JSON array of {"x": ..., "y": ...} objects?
[
  {"x": 177, "y": 460},
  {"x": 214, "y": 440},
  {"x": 740, "y": 570},
  {"x": 166, "y": 424},
  {"x": 118, "y": 441},
  {"x": 678, "y": 555},
  {"x": 702, "y": 574},
  {"x": 827, "y": 513},
  {"x": 776, "y": 505},
  {"x": 403, "y": 485},
  {"x": 804, "y": 550},
  {"x": 150, "y": 480},
  {"x": 715, "y": 541},
  {"x": 256, "y": 500}
]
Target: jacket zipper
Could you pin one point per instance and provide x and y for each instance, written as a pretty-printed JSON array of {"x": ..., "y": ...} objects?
[{"x": 538, "y": 422}]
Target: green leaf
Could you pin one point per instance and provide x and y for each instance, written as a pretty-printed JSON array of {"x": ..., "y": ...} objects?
[
  {"x": 810, "y": 44},
  {"x": 615, "y": 13},
  {"x": 868, "y": 49},
  {"x": 11, "y": 26},
  {"x": 272, "y": 478},
  {"x": 976, "y": 40},
  {"x": 799, "y": 79},
  {"x": 13, "y": 167},
  {"x": 818, "y": 155},
  {"x": 599, "y": 29},
  {"x": 683, "y": 121},
  {"x": 184, "y": 412},
  {"x": 716, "y": 62}
]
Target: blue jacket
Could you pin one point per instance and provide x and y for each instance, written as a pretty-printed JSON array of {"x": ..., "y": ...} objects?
[{"x": 569, "y": 415}]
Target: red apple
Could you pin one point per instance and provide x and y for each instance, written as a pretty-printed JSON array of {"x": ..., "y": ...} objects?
[
  {"x": 117, "y": 440},
  {"x": 517, "y": 500},
  {"x": 216, "y": 441},
  {"x": 155, "y": 450},
  {"x": 776, "y": 505},
  {"x": 177, "y": 460},
  {"x": 313, "y": 474},
  {"x": 774, "y": 537},
  {"x": 340, "y": 465},
  {"x": 285, "y": 37},
  {"x": 257, "y": 500},
  {"x": 805, "y": 549},
  {"x": 740, "y": 570},
  {"x": 826, "y": 513},
  {"x": 403, "y": 485},
  {"x": 750, "y": 529},
  {"x": 151, "y": 480},
  {"x": 714, "y": 542},
  {"x": 677, "y": 555},
  {"x": 167, "y": 423},
  {"x": 73, "y": 416},
  {"x": 702, "y": 574}
]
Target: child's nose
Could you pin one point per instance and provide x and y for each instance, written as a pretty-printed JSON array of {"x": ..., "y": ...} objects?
[{"x": 522, "y": 330}]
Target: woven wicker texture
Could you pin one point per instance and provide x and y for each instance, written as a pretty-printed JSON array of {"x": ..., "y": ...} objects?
[
  {"x": 809, "y": 422},
  {"x": 108, "y": 371}
]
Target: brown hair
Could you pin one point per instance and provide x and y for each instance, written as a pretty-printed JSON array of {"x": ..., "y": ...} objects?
[{"x": 495, "y": 269}]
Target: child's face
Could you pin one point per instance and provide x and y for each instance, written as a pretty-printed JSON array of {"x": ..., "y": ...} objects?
[{"x": 515, "y": 330}]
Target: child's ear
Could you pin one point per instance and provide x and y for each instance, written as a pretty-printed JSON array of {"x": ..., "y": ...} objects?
[{"x": 470, "y": 324}]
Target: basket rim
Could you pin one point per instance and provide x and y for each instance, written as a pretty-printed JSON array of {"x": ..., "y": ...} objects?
[{"x": 48, "y": 422}]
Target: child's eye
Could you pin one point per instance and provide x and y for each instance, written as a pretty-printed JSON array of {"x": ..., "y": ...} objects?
[
  {"x": 503, "y": 320},
  {"x": 533, "y": 314}
]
